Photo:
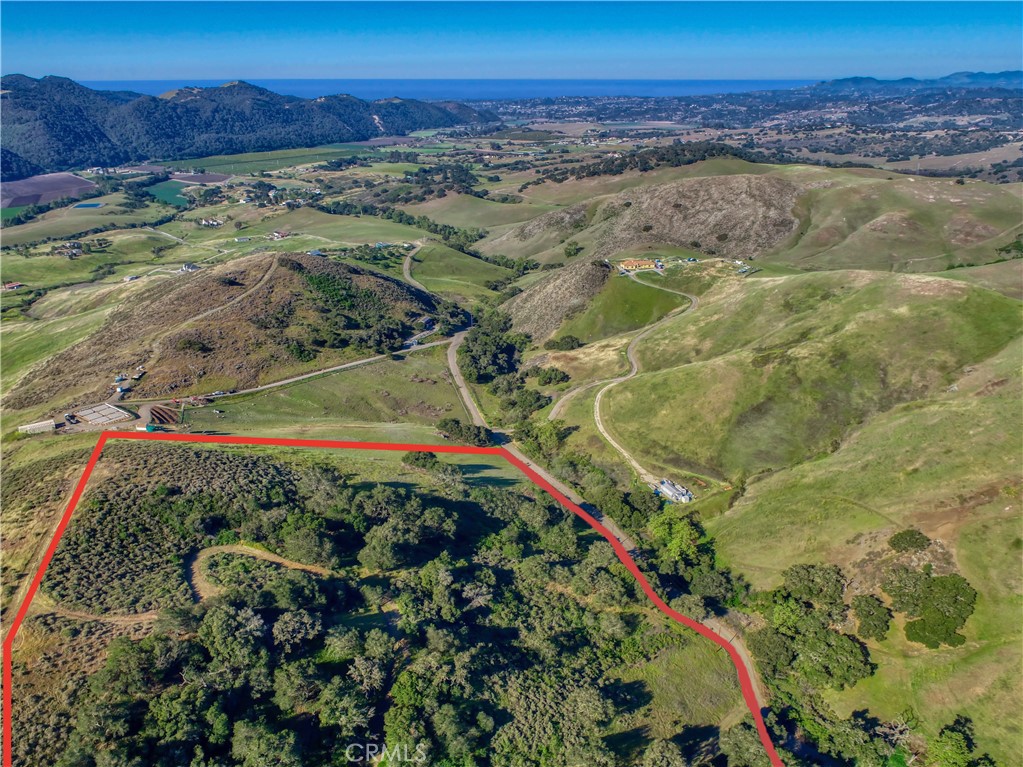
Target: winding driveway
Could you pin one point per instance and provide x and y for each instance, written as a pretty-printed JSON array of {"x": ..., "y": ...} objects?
[
  {"x": 609, "y": 383},
  {"x": 406, "y": 269}
]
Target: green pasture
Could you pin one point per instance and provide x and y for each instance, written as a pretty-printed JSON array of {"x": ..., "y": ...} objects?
[
  {"x": 258, "y": 162},
  {"x": 69, "y": 221},
  {"x": 621, "y": 305},
  {"x": 453, "y": 274}
]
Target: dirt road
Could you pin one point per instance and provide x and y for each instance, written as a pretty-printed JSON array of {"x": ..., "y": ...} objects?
[
  {"x": 630, "y": 353},
  {"x": 473, "y": 411},
  {"x": 145, "y": 408},
  {"x": 204, "y": 589},
  {"x": 471, "y": 408},
  {"x": 406, "y": 269}
]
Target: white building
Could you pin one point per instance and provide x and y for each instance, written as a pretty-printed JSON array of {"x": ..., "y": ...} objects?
[{"x": 674, "y": 492}]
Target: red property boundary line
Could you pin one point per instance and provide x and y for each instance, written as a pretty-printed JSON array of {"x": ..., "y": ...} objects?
[{"x": 744, "y": 678}]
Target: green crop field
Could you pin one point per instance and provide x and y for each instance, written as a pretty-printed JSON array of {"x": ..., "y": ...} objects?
[
  {"x": 257, "y": 162},
  {"x": 454, "y": 274},
  {"x": 169, "y": 192},
  {"x": 622, "y": 305},
  {"x": 7, "y": 213}
]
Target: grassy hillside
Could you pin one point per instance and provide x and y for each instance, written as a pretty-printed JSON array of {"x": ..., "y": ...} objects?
[
  {"x": 453, "y": 274},
  {"x": 902, "y": 223},
  {"x": 808, "y": 217},
  {"x": 1005, "y": 277},
  {"x": 949, "y": 466},
  {"x": 242, "y": 323},
  {"x": 868, "y": 404},
  {"x": 622, "y": 305},
  {"x": 772, "y": 372}
]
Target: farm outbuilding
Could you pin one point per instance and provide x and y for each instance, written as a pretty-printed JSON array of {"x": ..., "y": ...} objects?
[
  {"x": 38, "y": 428},
  {"x": 674, "y": 492}
]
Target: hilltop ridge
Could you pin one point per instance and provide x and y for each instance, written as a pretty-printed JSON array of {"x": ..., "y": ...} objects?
[{"x": 55, "y": 124}]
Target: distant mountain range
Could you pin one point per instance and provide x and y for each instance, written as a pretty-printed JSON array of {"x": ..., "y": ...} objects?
[
  {"x": 54, "y": 123},
  {"x": 1010, "y": 80}
]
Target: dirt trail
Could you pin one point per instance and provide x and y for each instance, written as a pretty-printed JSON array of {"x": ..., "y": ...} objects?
[
  {"x": 562, "y": 403},
  {"x": 406, "y": 268},
  {"x": 204, "y": 589},
  {"x": 44, "y": 604},
  {"x": 154, "y": 356}
]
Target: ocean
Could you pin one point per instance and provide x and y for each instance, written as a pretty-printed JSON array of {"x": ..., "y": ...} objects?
[{"x": 467, "y": 90}]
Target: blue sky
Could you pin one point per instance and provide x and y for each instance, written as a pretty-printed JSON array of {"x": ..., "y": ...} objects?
[{"x": 707, "y": 40}]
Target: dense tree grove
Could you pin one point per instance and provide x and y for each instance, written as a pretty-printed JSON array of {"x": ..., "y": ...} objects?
[
  {"x": 938, "y": 605},
  {"x": 466, "y": 433},
  {"x": 491, "y": 348},
  {"x": 874, "y": 618},
  {"x": 471, "y": 625},
  {"x": 909, "y": 540}
]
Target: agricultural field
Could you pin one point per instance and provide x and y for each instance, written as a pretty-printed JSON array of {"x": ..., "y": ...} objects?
[
  {"x": 39, "y": 190},
  {"x": 71, "y": 220},
  {"x": 6, "y": 213},
  {"x": 169, "y": 193},
  {"x": 254, "y": 163}
]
